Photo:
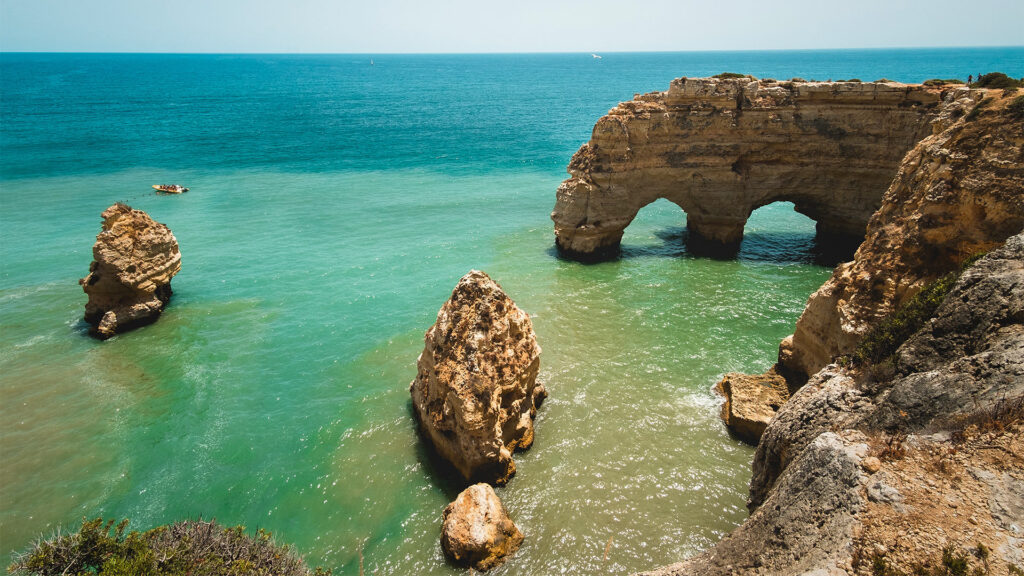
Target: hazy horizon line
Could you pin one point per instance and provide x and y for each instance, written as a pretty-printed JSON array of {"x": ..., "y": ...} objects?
[{"x": 385, "y": 53}]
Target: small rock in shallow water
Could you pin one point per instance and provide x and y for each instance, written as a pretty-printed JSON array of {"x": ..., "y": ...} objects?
[
  {"x": 751, "y": 402},
  {"x": 476, "y": 530}
]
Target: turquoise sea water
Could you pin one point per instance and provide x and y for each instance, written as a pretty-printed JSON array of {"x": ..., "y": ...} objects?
[{"x": 334, "y": 205}]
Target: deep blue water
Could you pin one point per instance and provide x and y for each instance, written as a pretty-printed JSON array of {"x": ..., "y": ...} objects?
[
  {"x": 84, "y": 113},
  {"x": 334, "y": 205}
]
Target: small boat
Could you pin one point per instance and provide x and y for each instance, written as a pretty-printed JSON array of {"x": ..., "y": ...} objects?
[
  {"x": 170, "y": 188},
  {"x": 598, "y": 56}
]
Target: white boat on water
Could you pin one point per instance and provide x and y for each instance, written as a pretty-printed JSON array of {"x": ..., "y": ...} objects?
[
  {"x": 170, "y": 188},
  {"x": 596, "y": 56}
]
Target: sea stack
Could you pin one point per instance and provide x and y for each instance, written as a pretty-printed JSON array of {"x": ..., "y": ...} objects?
[
  {"x": 476, "y": 391},
  {"x": 129, "y": 280},
  {"x": 476, "y": 530}
]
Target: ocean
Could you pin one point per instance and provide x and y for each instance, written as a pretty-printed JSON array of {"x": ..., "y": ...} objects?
[{"x": 334, "y": 204}]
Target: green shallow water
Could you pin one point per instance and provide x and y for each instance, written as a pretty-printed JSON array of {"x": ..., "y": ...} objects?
[
  {"x": 334, "y": 206},
  {"x": 273, "y": 392}
]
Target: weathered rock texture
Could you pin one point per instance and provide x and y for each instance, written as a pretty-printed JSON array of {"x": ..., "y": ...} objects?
[
  {"x": 720, "y": 148},
  {"x": 751, "y": 401},
  {"x": 476, "y": 530},
  {"x": 129, "y": 280},
  {"x": 857, "y": 466},
  {"x": 476, "y": 391},
  {"x": 957, "y": 193}
]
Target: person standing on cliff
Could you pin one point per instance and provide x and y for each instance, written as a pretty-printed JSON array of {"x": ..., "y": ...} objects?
[{"x": 969, "y": 79}]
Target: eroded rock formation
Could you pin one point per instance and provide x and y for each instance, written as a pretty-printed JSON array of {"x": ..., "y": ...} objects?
[
  {"x": 129, "y": 280},
  {"x": 476, "y": 391},
  {"x": 859, "y": 470},
  {"x": 751, "y": 401},
  {"x": 720, "y": 148},
  {"x": 476, "y": 530},
  {"x": 958, "y": 193}
]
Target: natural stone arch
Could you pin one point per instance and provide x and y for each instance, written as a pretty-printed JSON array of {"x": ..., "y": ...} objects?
[{"x": 720, "y": 148}]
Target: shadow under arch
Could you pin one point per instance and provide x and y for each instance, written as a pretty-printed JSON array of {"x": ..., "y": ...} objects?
[{"x": 773, "y": 232}]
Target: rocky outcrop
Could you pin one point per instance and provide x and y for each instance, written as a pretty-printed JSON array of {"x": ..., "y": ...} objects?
[
  {"x": 129, "y": 280},
  {"x": 959, "y": 192},
  {"x": 476, "y": 530},
  {"x": 751, "y": 401},
  {"x": 860, "y": 468},
  {"x": 720, "y": 148},
  {"x": 476, "y": 391}
]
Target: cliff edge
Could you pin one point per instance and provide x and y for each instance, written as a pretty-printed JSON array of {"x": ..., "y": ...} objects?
[
  {"x": 957, "y": 193},
  {"x": 906, "y": 457},
  {"x": 859, "y": 473}
]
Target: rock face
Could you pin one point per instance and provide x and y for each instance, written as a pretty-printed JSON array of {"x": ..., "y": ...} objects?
[
  {"x": 720, "y": 148},
  {"x": 957, "y": 193},
  {"x": 476, "y": 391},
  {"x": 751, "y": 401},
  {"x": 476, "y": 530},
  {"x": 857, "y": 466},
  {"x": 129, "y": 280}
]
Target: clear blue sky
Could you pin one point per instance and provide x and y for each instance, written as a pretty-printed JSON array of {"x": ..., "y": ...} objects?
[{"x": 379, "y": 26}]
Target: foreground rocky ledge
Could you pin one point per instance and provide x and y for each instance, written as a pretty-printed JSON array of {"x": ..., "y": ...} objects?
[
  {"x": 722, "y": 147},
  {"x": 129, "y": 280},
  {"x": 476, "y": 391}
]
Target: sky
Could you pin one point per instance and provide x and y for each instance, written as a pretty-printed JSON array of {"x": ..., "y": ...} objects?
[{"x": 442, "y": 26}]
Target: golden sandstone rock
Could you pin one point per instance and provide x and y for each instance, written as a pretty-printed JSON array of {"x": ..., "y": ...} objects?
[
  {"x": 720, "y": 148},
  {"x": 957, "y": 193},
  {"x": 902, "y": 469},
  {"x": 476, "y": 530},
  {"x": 129, "y": 280},
  {"x": 476, "y": 391},
  {"x": 750, "y": 402}
]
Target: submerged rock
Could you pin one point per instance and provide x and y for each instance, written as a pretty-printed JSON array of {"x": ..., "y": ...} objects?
[
  {"x": 129, "y": 280},
  {"x": 476, "y": 530},
  {"x": 476, "y": 391},
  {"x": 751, "y": 402}
]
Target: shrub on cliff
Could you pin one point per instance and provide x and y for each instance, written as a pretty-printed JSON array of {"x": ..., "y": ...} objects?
[
  {"x": 997, "y": 80},
  {"x": 725, "y": 75},
  {"x": 194, "y": 548},
  {"x": 941, "y": 82},
  {"x": 879, "y": 345},
  {"x": 1016, "y": 108}
]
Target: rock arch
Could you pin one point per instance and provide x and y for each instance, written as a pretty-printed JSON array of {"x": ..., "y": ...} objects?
[{"x": 721, "y": 148}]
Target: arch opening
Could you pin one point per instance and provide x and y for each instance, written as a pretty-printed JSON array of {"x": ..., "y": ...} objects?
[{"x": 778, "y": 231}]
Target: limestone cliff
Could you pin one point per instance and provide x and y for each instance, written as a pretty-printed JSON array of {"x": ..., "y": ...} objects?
[
  {"x": 129, "y": 280},
  {"x": 476, "y": 391},
  {"x": 956, "y": 193},
  {"x": 903, "y": 473},
  {"x": 720, "y": 148}
]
